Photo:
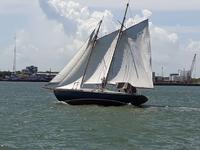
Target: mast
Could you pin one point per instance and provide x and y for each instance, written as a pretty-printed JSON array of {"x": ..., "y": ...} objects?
[
  {"x": 122, "y": 25},
  {"x": 94, "y": 43},
  {"x": 14, "y": 58},
  {"x": 104, "y": 82}
]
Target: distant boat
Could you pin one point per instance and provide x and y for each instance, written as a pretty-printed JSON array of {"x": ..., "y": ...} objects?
[{"x": 108, "y": 70}]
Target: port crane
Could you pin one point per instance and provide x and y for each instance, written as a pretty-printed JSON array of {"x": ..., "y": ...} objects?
[{"x": 189, "y": 73}]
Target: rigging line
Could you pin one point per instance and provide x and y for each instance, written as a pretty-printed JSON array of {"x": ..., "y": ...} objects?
[
  {"x": 101, "y": 34},
  {"x": 121, "y": 24},
  {"x": 75, "y": 54},
  {"x": 104, "y": 63},
  {"x": 132, "y": 56},
  {"x": 93, "y": 45},
  {"x": 116, "y": 21},
  {"x": 119, "y": 37},
  {"x": 102, "y": 71},
  {"x": 127, "y": 68},
  {"x": 125, "y": 73},
  {"x": 65, "y": 76},
  {"x": 131, "y": 13},
  {"x": 73, "y": 67},
  {"x": 84, "y": 43}
]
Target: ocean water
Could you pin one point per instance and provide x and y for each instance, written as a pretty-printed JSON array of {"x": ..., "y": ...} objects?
[{"x": 32, "y": 119}]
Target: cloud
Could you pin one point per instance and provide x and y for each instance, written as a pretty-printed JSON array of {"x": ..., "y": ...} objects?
[
  {"x": 15, "y": 7},
  {"x": 164, "y": 47},
  {"x": 40, "y": 42},
  {"x": 158, "y": 5},
  {"x": 146, "y": 14},
  {"x": 83, "y": 19},
  {"x": 162, "y": 35},
  {"x": 193, "y": 46},
  {"x": 59, "y": 28},
  {"x": 170, "y": 54},
  {"x": 70, "y": 9},
  {"x": 165, "y": 44},
  {"x": 183, "y": 29}
]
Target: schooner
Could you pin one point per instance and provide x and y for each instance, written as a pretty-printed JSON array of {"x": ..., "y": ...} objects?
[{"x": 108, "y": 70}]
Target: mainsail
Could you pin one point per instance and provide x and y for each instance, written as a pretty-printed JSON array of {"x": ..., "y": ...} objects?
[
  {"x": 132, "y": 59},
  {"x": 131, "y": 62}
]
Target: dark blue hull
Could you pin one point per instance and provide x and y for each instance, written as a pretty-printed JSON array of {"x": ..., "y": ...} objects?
[{"x": 79, "y": 97}]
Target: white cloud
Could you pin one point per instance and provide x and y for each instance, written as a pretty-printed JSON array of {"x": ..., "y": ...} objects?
[
  {"x": 165, "y": 44},
  {"x": 164, "y": 47},
  {"x": 170, "y": 54},
  {"x": 146, "y": 13},
  {"x": 15, "y": 7},
  {"x": 163, "y": 35},
  {"x": 39, "y": 43},
  {"x": 45, "y": 43},
  {"x": 148, "y": 4},
  {"x": 194, "y": 46},
  {"x": 84, "y": 19},
  {"x": 183, "y": 29}
]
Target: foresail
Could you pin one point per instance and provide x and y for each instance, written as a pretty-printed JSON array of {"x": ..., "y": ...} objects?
[
  {"x": 100, "y": 59},
  {"x": 72, "y": 71},
  {"x": 75, "y": 75},
  {"x": 132, "y": 59}
]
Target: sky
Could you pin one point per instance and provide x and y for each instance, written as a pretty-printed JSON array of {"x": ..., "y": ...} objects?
[{"x": 50, "y": 32}]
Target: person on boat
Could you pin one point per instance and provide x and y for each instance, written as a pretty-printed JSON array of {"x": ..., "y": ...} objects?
[
  {"x": 103, "y": 83},
  {"x": 127, "y": 88}
]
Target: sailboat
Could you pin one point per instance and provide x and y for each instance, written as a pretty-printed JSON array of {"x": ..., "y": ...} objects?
[{"x": 108, "y": 70}]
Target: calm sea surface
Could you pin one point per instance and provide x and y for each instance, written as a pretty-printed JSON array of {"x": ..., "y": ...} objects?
[{"x": 32, "y": 119}]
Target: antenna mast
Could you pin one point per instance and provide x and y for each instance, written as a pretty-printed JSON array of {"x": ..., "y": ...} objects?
[{"x": 14, "y": 58}]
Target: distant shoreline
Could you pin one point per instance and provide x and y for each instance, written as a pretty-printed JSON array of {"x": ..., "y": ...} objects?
[
  {"x": 23, "y": 81},
  {"x": 176, "y": 84},
  {"x": 155, "y": 84}
]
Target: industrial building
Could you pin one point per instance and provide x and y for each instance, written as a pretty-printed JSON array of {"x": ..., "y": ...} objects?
[{"x": 182, "y": 77}]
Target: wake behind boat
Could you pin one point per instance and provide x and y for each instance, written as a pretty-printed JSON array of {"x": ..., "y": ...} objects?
[{"x": 108, "y": 70}]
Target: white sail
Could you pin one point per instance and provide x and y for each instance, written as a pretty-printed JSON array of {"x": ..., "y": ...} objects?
[
  {"x": 132, "y": 59},
  {"x": 129, "y": 60},
  {"x": 100, "y": 59},
  {"x": 73, "y": 70}
]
